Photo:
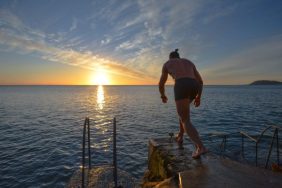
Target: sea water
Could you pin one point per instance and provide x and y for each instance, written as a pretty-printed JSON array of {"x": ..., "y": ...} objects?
[{"x": 41, "y": 126}]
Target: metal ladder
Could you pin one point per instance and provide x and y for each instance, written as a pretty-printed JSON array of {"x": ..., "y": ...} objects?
[{"x": 86, "y": 131}]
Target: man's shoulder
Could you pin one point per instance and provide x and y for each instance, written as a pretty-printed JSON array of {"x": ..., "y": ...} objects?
[
  {"x": 187, "y": 61},
  {"x": 166, "y": 63}
]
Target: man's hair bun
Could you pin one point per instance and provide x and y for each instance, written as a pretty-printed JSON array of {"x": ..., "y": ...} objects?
[{"x": 174, "y": 54}]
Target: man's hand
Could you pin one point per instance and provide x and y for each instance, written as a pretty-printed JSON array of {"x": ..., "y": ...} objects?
[
  {"x": 197, "y": 101},
  {"x": 164, "y": 99}
]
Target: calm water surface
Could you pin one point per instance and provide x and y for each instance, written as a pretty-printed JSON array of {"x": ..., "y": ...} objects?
[{"x": 41, "y": 126}]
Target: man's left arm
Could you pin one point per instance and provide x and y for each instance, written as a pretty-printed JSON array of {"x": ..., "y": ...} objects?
[{"x": 162, "y": 82}]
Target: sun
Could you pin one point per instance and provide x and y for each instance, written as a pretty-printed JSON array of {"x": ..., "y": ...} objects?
[{"x": 100, "y": 78}]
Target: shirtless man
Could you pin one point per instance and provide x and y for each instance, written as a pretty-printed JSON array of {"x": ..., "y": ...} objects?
[{"x": 188, "y": 87}]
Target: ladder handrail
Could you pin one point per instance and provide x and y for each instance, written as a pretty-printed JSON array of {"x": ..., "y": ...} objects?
[
  {"x": 85, "y": 126},
  {"x": 258, "y": 139},
  {"x": 255, "y": 140},
  {"x": 114, "y": 153},
  {"x": 271, "y": 126}
]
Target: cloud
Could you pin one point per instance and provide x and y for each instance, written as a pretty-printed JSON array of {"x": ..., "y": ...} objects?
[
  {"x": 154, "y": 31},
  {"x": 216, "y": 11},
  {"x": 109, "y": 11},
  {"x": 135, "y": 31},
  {"x": 126, "y": 45},
  {"x": 106, "y": 41},
  {"x": 134, "y": 38},
  {"x": 259, "y": 61},
  {"x": 15, "y": 35},
  {"x": 74, "y": 24},
  {"x": 133, "y": 21}
]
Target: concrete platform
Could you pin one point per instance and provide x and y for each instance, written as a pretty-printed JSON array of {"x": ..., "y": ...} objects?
[
  {"x": 167, "y": 160},
  {"x": 220, "y": 172}
]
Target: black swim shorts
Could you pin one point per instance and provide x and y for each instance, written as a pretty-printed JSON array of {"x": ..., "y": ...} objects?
[{"x": 186, "y": 88}]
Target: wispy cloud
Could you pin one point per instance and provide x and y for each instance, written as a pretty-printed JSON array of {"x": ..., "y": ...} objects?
[
  {"x": 134, "y": 38},
  {"x": 260, "y": 61},
  {"x": 216, "y": 11},
  {"x": 74, "y": 24},
  {"x": 158, "y": 31},
  {"x": 106, "y": 40},
  {"x": 162, "y": 27},
  {"x": 26, "y": 42}
]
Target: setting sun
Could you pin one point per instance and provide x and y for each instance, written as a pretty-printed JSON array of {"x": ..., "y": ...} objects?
[{"x": 100, "y": 78}]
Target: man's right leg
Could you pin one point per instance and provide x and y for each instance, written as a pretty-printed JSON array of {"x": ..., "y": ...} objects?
[{"x": 183, "y": 110}]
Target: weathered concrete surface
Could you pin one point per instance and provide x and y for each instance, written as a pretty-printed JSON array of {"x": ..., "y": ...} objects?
[
  {"x": 166, "y": 160},
  {"x": 175, "y": 165},
  {"x": 220, "y": 172}
]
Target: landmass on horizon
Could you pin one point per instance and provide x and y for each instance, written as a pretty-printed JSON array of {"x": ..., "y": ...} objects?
[{"x": 266, "y": 82}]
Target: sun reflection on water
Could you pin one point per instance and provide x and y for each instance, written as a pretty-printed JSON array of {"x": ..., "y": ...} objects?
[{"x": 100, "y": 97}]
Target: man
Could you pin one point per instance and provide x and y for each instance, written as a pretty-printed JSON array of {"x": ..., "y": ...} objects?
[{"x": 188, "y": 87}]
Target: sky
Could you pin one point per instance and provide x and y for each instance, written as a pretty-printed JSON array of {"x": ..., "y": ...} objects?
[{"x": 126, "y": 42}]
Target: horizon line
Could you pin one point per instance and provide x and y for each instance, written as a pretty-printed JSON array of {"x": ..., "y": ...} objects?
[{"x": 112, "y": 85}]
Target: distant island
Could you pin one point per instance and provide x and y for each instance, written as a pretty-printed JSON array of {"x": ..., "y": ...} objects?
[{"x": 266, "y": 82}]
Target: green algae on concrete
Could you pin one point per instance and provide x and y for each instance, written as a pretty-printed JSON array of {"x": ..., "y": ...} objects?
[
  {"x": 163, "y": 165},
  {"x": 159, "y": 164}
]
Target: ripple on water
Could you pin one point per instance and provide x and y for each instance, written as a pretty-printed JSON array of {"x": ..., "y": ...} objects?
[{"x": 41, "y": 127}]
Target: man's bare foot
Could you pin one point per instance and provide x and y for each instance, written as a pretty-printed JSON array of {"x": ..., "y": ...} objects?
[{"x": 199, "y": 151}]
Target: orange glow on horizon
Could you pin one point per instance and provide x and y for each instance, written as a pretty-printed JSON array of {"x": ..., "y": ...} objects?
[{"x": 69, "y": 75}]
